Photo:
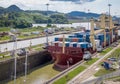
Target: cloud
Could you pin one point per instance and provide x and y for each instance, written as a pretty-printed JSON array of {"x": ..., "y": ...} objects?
[{"x": 75, "y": 1}]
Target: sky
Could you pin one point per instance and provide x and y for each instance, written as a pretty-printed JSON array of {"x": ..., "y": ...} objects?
[{"x": 65, "y": 6}]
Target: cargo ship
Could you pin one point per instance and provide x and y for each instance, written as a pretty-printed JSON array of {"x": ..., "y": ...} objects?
[{"x": 68, "y": 51}]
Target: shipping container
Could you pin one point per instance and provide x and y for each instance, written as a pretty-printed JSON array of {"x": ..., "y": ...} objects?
[
  {"x": 74, "y": 39},
  {"x": 56, "y": 39},
  {"x": 73, "y": 44},
  {"x": 72, "y": 36},
  {"x": 83, "y": 45},
  {"x": 81, "y": 40}
]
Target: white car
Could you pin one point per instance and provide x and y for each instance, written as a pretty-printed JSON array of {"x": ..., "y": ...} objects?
[
  {"x": 87, "y": 55},
  {"x": 99, "y": 49}
]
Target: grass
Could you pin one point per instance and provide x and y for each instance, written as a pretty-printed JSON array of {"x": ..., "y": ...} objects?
[
  {"x": 4, "y": 29},
  {"x": 39, "y": 48},
  {"x": 4, "y": 56},
  {"x": 32, "y": 29},
  {"x": 70, "y": 75},
  {"x": 116, "y": 53},
  {"x": 30, "y": 36},
  {"x": 37, "y": 75},
  {"x": 5, "y": 38},
  {"x": 117, "y": 78},
  {"x": 105, "y": 51},
  {"x": 103, "y": 71},
  {"x": 90, "y": 62}
]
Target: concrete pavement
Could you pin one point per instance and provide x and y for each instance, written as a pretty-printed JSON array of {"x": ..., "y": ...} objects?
[{"x": 86, "y": 74}]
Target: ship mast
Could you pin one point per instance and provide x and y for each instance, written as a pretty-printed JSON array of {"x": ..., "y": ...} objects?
[
  {"x": 92, "y": 39},
  {"x": 103, "y": 27},
  {"x": 63, "y": 46}
]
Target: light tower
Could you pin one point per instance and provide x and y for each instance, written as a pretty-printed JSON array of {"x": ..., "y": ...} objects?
[
  {"x": 47, "y": 28},
  {"x": 88, "y": 20},
  {"x": 15, "y": 58},
  {"x": 110, "y": 29}
]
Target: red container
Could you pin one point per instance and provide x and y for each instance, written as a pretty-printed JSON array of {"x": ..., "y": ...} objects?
[
  {"x": 60, "y": 39},
  {"x": 74, "y": 39}
]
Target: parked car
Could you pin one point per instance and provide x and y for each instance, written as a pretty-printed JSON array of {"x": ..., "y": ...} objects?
[
  {"x": 87, "y": 55},
  {"x": 99, "y": 49},
  {"x": 112, "y": 59},
  {"x": 21, "y": 52}
]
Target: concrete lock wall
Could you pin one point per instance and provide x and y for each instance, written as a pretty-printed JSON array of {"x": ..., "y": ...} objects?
[{"x": 34, "y": 59}]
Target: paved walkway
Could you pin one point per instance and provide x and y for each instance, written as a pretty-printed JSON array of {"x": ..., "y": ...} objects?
[
  {"x": 110, "y": 82},
  {"x": 86, "y": 74}
]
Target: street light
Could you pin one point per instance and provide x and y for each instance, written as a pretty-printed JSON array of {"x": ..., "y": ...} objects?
[
  {"x": 88, "y": 20},
  {"x": 47, "y": 28},
  {"x": 47, "y": 11},
  {"x": 109, "y": 5},
  {"x": 26, "y": 60},
  {"x": 15, "y": 58}
]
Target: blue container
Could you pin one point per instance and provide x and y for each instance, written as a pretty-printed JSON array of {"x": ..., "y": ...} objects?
[
  {"x": 70, "y": 39},
  {"x": 80, "y": 36},
  {"x": 106, "y": 65},
  {"x": 76, "y": 33},
  {"x": 67, "y": 44},
  {"x": 56, "y": 39},
  {"x": 87, "y": 31},
  {"x": 80, "y": 40},
  {"x": 75, "y": 45},
  {"x": 87, "y": 35},
  {"x": 87, "y": 40},
  {"x": 101, "y": 38},
  {"x": 84, "y": 45},
  {"x": 72, "y": 36}
]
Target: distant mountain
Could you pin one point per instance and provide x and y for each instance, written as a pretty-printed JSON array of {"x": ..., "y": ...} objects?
[
  {"x": 41, "y": 12},
  {"x": 13, "y": 8},
  {"x": 77, "y": 14},
  {"x": 2, "y": 10}
]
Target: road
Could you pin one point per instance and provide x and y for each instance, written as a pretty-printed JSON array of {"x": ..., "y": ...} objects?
[
  {"x": 26, "y": 43},
  {"x": 90, "y": 71}
]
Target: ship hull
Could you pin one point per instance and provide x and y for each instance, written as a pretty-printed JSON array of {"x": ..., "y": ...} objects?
[{"x": 69, "y": 57}]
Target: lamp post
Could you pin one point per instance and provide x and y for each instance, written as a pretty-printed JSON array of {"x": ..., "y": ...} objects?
[
  {"x": 15, "y": 58},
  {"x": 26, "y": 60},
  {"x": 88, "y": 21},
  {"x": 109, "y": 5},
  {"x": 0, "y": 48},
  {"x": 47, "y": 28}
]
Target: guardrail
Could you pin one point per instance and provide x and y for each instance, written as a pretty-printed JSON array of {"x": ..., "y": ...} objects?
[{"x": 98, "y": 80}]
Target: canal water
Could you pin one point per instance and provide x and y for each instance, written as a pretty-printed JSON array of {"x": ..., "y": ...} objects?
[{"x": 26, "y": 43}]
